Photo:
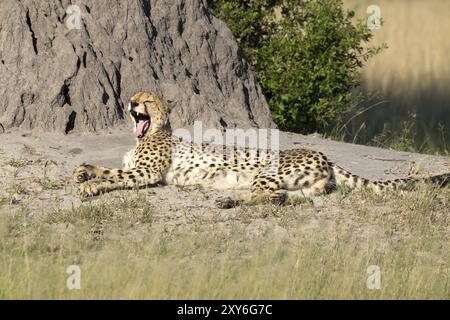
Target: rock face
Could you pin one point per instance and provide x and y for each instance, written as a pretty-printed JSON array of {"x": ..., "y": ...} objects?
[{"x": 73, "y": 65}]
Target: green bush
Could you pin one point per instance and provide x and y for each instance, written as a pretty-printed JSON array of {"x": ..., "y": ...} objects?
[{"x": 306, "y": 55}]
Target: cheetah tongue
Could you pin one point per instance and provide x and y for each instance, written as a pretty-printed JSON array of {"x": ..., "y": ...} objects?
[{"x": 141, "y": 128}]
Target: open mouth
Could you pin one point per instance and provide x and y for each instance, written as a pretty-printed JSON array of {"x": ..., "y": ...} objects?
[{"x": 142, "y": 122}]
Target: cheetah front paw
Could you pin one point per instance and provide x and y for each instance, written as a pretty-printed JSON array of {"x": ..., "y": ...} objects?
[
  {"x": 89, "y": 189},
  {"x": 83, "y": 173},
  {"x": 226, "y": 203}
]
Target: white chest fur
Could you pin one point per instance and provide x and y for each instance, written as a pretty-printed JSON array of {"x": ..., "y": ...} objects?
[{"x": 128, "y": 160}]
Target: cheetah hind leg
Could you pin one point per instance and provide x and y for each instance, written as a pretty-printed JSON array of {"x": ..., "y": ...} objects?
[
  {"x": 277, "y": 197},
  {"x": 305, "y": 195}
]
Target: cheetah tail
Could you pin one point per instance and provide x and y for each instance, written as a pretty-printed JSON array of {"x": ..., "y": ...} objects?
[{"x": 344, "y": 177}]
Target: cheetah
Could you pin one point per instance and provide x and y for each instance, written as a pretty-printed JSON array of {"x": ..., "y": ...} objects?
[{"x": 160, "y": 158}]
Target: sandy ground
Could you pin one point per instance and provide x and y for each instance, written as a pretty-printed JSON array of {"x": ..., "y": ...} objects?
[{"x": 42, "y": 164}]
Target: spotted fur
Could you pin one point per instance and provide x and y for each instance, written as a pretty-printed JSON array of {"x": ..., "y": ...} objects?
[{"x": 159, "y": 158}]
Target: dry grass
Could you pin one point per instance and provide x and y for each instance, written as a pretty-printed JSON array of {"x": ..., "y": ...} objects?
[
  {"x": 127, "y": 248},
  {"x": 413, "y": 74},
  {"x": 145, "y": 244}
]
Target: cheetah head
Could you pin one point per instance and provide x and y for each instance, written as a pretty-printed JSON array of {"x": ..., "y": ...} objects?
[{"x": 148, "y": 112}]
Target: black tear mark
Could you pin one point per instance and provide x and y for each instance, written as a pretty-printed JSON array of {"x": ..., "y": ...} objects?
[
  {"x": 33, "y": 36},
  {"x": 70, "y": 125},
  {"x": 87, "y": 9}
]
